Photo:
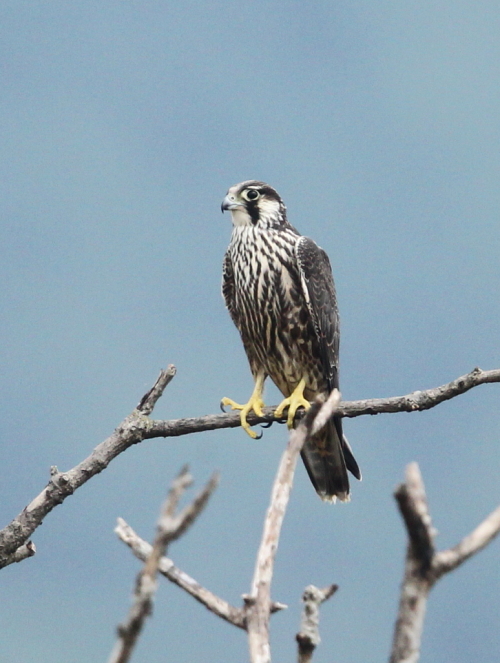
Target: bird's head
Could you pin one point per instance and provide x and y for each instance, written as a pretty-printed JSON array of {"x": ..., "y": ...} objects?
[{"x": 254, "y": 203}]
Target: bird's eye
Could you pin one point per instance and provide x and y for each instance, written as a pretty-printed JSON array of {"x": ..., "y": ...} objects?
[{"x": 252, "y": 194}]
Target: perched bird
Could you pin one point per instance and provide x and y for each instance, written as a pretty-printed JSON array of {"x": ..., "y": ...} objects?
[{"x": 278, "y": 288}]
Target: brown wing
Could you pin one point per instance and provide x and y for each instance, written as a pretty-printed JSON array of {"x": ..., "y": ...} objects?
[
  {"x": 325, "y": 463},
  {"x": 319, "y": 292}
]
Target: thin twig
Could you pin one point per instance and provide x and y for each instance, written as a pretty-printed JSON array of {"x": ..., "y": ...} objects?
[
  {"x": 308, "y": 636},
  {"x": 170, "y": 527},
  {"x": 146, "y": 585},
  {"x": 150, "y": 398},
  {"x": 258, "y": 603},
  {"x": 215, "y": 604},
  {"x": 190, "y": 513},
  {"x": 448, "y": 560}
]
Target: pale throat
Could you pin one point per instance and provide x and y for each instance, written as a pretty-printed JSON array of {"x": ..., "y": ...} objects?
[{"x": 240, "y": 217}]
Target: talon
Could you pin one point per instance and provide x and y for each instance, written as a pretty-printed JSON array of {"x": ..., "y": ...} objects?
[
  {"x": 293, "y": 402},
  {"x": 246, "y": 426},
  {"x": 229, "y": 401},
  {"x": 255, "y": 403},
  {"x": 258, "y": 436},
  {"x": 268, "y": 424}
]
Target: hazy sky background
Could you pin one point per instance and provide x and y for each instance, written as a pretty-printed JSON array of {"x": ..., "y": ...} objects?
[{"x": 123, "y": 125}]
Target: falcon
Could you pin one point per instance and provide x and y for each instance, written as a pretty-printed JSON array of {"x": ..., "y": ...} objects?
[{"x": 278, "y": 288}]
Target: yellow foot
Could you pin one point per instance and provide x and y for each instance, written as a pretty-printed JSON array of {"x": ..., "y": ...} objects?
[
  {"x": 255, "y": 403},
  {"x": 293, "y": 402}
]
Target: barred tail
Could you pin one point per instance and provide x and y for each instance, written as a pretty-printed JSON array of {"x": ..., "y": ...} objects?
[{"x": 327, "y": 457}]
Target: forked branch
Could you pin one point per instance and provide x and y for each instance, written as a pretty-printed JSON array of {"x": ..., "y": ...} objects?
[
  {"x": 170, "y": 527},
  {"x": 166, "y": 567},
  {"x": 254, "y": 616},
  {"x": 308, "y": 636},
  {"x": 424, "y": 566}
]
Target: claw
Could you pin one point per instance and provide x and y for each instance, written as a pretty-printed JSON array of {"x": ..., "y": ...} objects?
[
  {"x": 229, "y": 401},
  {"x": 293, "y": 402},
  {"x": 268, "y": 424},
  {"x": 255, "y": 403}
]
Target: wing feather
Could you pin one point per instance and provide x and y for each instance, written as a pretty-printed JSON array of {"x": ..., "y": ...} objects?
[{"x": 319, "y": 293}]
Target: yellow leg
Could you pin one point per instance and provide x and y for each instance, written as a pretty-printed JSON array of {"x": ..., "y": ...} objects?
[
  {"x": 255, "y": 403},
  {"x": 293, "y": 402}
]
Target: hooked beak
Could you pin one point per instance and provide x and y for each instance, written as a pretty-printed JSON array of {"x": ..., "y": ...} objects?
[{"x": 229, "y": 203}]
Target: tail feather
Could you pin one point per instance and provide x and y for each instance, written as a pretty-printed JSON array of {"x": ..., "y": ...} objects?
[
  {"x": 327, "y": 456},
  {"x": 350, "y": 461}
]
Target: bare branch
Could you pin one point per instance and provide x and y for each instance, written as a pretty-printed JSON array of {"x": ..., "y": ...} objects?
[
  {"x": 170, "y": 527},
  {"x": 308, "y": 636},
  {"x": 132, "y": 430},
  {"x": 22, "y": 553},
  {"x": 149, "y": 400},
  {"x": 146, "y": 585},
  {"x": 258, "y": 603},
  {"x": 166, "y": 567},
  {"x": 420, "y": 400},
  {"x": 413, "y": 402},
  {"x": 424, "y": 566},
  {"x": 137, "y": 427},
  {"x": 191, "y": 512},
  {"x": 168, "y": 524},
  {"x": 416, "y": 582},
  {"x": 412, "y": 503},
  {"x": 326, "y": 412},
  {"x": 448, "y": 560}
]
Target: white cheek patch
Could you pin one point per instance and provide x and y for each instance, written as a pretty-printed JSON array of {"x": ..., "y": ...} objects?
[
  {"x": 269, "y": 208},
  {"x": 240, "y": 217}
]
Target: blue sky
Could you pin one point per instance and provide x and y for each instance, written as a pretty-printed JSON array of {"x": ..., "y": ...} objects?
[{"x": 124, "y": 123}]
